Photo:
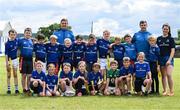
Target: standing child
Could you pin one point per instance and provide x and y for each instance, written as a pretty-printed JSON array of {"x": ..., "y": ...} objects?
[
  {"x": 80, "y": 79},
  {"x": 103, "y": 47},
  {"x": 152, "y": 58},
  {"x": 130, "y": 49},
  {"x": 26, "y": 59},
  {"x": 51, "y": 81},
  {"x": 125, "y": 76},
  {"x": 78, "y": 49},
  {"x": 11, "y": 48},
  {"x": 118, "y": 51},
  {"x": 53, "y": 53},
  {"x": 40, "y": 50},
  {"x": 142, "y": 75},
  {"x": 95, "y": 80},
  {"x": 91, "y": 52},
  {"x": 67, "y": 52},
  {"x": 38, "y": 79},
  {"x": 111, "y": 85},
  {"x": 66, "y": 77}
]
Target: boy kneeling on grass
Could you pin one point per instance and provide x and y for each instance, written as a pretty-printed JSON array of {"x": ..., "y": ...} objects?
[
  {"x": 51, "y": 81},
  {"x": 38, "y": 80},
  {"x": 124, "y": 77},
  {"x": 95, "y": 80},
  {"x": 65, "y": 81},
  {"x": 111, "y": 85},
  {"x": 142, "y": 75}
]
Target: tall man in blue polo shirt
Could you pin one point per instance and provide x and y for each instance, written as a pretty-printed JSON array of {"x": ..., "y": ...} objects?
[
  {"x": 64, "y": 32},
  {"x": 140, "y": 38}
]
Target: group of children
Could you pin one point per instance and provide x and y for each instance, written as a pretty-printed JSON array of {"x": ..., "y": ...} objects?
[{"x": 129, "y": 69}]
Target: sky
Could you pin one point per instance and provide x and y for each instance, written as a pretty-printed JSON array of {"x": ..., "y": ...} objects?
[{"x": 118, "y": 16}]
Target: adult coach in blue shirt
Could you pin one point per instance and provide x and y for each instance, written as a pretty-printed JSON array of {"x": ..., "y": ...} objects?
[
  {"x": 140, "y": 38},
  {"x": 64, "y": 32}
]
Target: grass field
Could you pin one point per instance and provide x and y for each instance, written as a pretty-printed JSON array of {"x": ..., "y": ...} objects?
[{"x": 20, "y": 102}]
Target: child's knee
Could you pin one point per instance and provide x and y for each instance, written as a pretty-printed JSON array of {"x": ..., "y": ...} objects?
[
  {"x": 63, "y": 83},
  {"x": 106, "y": 92},
  {"x": 8, "y": 76},
  {"x": 15, "y": 75},
  {"x": 48, "y": 94},
  {"x": 35, "y": 84},
  {"x": 58, "y": 93},
  {"x": 93, "y": 93}
]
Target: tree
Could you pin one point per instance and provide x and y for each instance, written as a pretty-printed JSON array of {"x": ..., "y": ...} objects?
[
  {"x": 48, "y": 31},
  {"x": 179, "y": 34}
]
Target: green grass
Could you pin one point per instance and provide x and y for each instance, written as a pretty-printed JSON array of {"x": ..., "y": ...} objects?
[{"x": 20, "y": 102}]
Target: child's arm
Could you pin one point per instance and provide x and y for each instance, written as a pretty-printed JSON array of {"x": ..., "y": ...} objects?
[
  {"x": 148, "y": 76},
  {"x": 44, "y": 87},
  {"x": 7, "y": 62},
  {"x": 92, "y": 84},
  {"x": 48, "y": 88},
  {"x": 55, "y": 89},
  {"x": 75, "y": 80},
  {"x": 32, "y": 79}
]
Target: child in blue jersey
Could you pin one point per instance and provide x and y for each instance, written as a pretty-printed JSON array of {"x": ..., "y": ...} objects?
[
  {"x": 152, "y": 58},
  {"x": 26, "y": 59},
  {"x": 124, "y": 76},
  {"x": 91, "y": 52},
  {"x": 118, "y": 51},
  {"x": 80, "y": 79},
  {"x": 103, "y": 48},
  {"x": 11, "y": 47},
  {"x": 51, "y": 81},
  {"x": 142, "y": 75},
  {"x": 79, "y": 50},
  {"x": 95, "y": 80},
  {"x": 53, "y": 53},
  {"x": 67, "y": 52},
  {"x": 38, "y": 79},
  {"x": 111, "y": 85},
  {"x": 130, "y": 49},
  {"x": 66, "y": 77},
  {"x": 40, "y": 50}
]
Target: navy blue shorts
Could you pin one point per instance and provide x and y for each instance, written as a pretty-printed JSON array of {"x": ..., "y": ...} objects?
[
  {"x": 26, "y": 66},
  {"x": 164, "y": 59}
]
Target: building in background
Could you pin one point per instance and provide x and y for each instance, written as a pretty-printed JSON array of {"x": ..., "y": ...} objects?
[{"x": 4, "y": 28}]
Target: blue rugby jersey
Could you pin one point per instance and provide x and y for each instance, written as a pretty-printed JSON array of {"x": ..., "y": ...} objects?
[
  {"x": 26, "y": 48},
  {"x": 118, "y": 51},
  {"x": 78, "y": 73},
  {"x": 153, "y": 54},
  {"x": 40, "y": 51},
  {"x": 11, "y": 47},
  {"x": 52, "y": 81},
  {"x": 130, "y": 51},
  {"x": 63, "y": 34},
  {"x": 91, "y": 53},
  {"x": 53, "y": 53},
  {"x": 67, "y": 54},
  {"x": 140, "y": 40},
  {"x": 141, "y": 69},
  {"x": 79, "y": 50},
  {"x": 125, "y": 71},
  {"x": 103, "y": 47},
  {"x": 36, "y": 75},
  {"x": 64, "y": 75},
  {"x": 95, "y": 77}
]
